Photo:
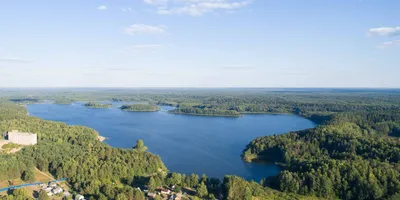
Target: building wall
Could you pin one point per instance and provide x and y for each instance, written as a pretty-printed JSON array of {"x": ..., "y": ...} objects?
[{"x": 22, "y": 139}]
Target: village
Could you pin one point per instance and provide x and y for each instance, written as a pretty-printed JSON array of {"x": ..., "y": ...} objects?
[
  {"x": 164, "y": 193},
  {"x": 54, "y": 189}
]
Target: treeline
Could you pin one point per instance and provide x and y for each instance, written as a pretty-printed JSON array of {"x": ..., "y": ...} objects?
[
  {"x": 350, "y": 156},
  {"x": 140, "y": 108},
  {"x": 232, "y": 187},
  {"x": 203, "y": 110},
  {"x": 63, "y": 101},
  {"x": 92, "y": 104}
]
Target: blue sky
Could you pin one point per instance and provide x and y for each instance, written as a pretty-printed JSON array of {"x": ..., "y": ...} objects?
[{"x": 200, "y": 43}]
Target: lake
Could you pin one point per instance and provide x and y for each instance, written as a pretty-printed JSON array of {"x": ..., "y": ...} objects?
[{"x": 186, "y": 144}]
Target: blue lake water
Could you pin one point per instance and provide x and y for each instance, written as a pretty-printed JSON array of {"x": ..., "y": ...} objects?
[{"x": 186, "y": 144}]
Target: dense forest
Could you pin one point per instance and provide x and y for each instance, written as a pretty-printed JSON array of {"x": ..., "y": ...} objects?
[
  {"x": 203, "y": 110},
  {"x": 354, "y": 153},
  {"x": 140, "y": 108},
  {"x": 63, "y": 101}
]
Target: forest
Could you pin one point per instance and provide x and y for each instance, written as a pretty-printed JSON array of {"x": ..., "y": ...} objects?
[
  {"x": 92, "y": 104},
  {"x": 140, "y": 108},
  {"x": 203, "y": 110},
  {"x": 354, "y": 153}
]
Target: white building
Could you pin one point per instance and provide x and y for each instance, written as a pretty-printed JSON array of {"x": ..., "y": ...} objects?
[
  {"x": 53, "y": 184},
  {"x": 79, "y": 197},
  {"x": 22, "y": 138},
  {"x": 57, "y": 190}
]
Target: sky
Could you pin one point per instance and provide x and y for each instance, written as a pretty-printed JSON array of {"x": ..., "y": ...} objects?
[{"x": 200, "y": 43}]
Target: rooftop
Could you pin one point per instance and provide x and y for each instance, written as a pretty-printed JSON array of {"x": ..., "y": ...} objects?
[{"x": 16, "y": 132}]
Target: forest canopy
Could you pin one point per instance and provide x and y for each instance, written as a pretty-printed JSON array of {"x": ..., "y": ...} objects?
[
  {"x": 353, "y": 153},
  {"x": 140, "y": 108}
]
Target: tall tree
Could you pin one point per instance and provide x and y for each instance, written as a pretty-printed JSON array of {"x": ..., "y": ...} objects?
[{"x": 140, "y": 146}]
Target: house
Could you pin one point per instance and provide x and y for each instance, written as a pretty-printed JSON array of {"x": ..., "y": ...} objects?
[
  {"x": 66, "y": 194},
  {"x": 178, "y": 196},
  {"x": 79, "y": 197},
  {"x": 47, "y": 189},
  {"x": 53, "y": 184},
  {"x": 164, "y": 191},
  {"x": 152, "y": 195},
  {"x": 49, "y": 194},
  {"x": 43, "y": 186},
  {"x": 57, "y": 190}
]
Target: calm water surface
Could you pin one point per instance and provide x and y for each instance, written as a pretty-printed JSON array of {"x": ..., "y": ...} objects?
[{"x": 186, "y": 144}]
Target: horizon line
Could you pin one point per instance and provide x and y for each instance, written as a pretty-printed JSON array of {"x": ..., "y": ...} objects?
[{"x": 186, "y": 87}]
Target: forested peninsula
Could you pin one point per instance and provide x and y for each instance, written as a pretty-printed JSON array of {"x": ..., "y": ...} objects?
[
  {"x": 354, "y": 154},
  {"x": 140, "y": 108}
]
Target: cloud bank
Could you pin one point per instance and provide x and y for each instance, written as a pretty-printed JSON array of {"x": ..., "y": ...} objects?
[
  {"x": 13, "y": 60},
  {"x": 102, "y": 7},
  {"x": 137, "y": 29},
  {"x": 389, "y": 44},
  {"x": 196, "y": 7},
  {"x": 384, "y": 31}
]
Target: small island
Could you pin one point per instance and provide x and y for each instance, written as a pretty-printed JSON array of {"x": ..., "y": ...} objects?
[
  {"x": 140, "y": 108},
  {"x": 97, "y": 105}
]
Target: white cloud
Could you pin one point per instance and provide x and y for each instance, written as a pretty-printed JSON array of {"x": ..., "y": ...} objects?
[
  {"x": 136, "y": 29},
  {"x": 384, "y": 31},
  {"x": 155, "y": 2},
  {"x": 389, "y": 44},
  {"x": 237, "y": 67},
  {"x": 147, "y": 46},
  {"x": 140, "y": 48},
  {"x": 196, "y": 7},
  {"x": 13, "y": 60},
  {"x": 129, "y": 9},
  {"x": 102, "y": 7}
]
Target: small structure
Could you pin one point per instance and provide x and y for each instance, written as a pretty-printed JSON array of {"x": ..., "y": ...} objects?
[
  {"x": 53, "y": 184},
  {"x": 22, "y": 138},
  {"x": 165, "y": 191},
  {"x": 152, "y": 195},
  {"x": 52, "y": 189},
  {"x": 48, "y": 189},
  {"x": 67, "y": 194},
  {"x": 57, "y": 190},
  {"x": 79, "y": 197},
  {"x": 43, "y": 186}
]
